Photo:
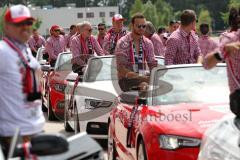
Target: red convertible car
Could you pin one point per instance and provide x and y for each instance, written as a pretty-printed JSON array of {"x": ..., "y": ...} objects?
[
  {"x": 53, "y": 85},
  {"x": 168, "y": 122}
]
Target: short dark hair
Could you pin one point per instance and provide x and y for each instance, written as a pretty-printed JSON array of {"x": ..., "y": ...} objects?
[
  {"x": 172, "y": 22},
  {"x": 135, "y": 16},
  {"x": 161, "y": 30},
  {"x": 102, "y": 24},
  {"x": 204, "y": 28},
  {"x": 187, "y": 17},
  {"x": 72, "y": 26}
]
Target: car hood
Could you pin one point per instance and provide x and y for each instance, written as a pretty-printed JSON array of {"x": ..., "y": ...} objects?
[{"x": 185, "y": 119}]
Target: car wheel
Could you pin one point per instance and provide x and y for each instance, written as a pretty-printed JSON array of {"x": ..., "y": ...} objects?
[
  {"x": 76, "y": 121},
  {"x": 44, "y": 108},
  {"x": 112, "y": 152},
  {"x": 67, "y": 127},
  {"x": 141, "y": 155},
  {"x": 51, "y": 116}
]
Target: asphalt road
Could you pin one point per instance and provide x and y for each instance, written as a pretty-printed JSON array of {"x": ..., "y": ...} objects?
[{"x": 58, "y": 127}]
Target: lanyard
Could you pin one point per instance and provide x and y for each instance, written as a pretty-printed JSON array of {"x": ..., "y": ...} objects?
[
  {"x": 83, "y": 44},
  {"x": 137, "y": 59},
  {"x": 112, "y": 41},
  {"x": 25, "y": 62}
]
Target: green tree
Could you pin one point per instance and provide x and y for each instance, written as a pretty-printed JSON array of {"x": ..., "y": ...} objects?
[
  {"x": 204, "y": 17},
  {"x": 164, "y": 12},
  {"x": 136, "y": 7},
  {"x": 40, "y": 3},
  {"x": 150, "y": 12}
]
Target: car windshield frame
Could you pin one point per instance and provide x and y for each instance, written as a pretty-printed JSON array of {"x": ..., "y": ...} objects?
[
  {"x": 39, "y": 55},
  {"x": 60, "y": 65},
  {"x": 86, "y": 77},
  {"x": 168, "y": 87}
]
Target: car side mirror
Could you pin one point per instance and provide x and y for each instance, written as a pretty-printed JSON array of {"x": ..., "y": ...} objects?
[
  {"x": 49, "y": 144},
  {"x": 43, "y": 145},
  {"x": 46, "y": 68}
]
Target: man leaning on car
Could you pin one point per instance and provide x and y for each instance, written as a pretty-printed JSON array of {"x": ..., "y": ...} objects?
[
  {"x": 133, "y": 53},
  {"x": 16, "y": 60}
]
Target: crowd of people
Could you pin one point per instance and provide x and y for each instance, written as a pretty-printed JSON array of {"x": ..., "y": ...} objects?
[{"x": 135, "y": 51}]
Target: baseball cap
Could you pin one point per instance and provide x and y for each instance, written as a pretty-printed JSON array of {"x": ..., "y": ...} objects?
[
  {"x": 55, "y": 27},
  {"x": 17, "y": 14},
  {"x": 118, "y": 17}
]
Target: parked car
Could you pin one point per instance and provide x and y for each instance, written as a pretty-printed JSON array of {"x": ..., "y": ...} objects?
[
  {"x": 53, "y": 84},
  {"x": 93, "y": 97},
  {"x": 168, "y": 122},
  {"x": 95, "y": 92},
  {"x": 222, "y": 141}
]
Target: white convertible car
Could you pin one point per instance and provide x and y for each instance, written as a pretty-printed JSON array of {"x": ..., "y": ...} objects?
[{"x": 89, "y": 102}]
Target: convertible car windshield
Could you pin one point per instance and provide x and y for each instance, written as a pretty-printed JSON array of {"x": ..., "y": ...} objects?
[{"x": 190, "y": 85}]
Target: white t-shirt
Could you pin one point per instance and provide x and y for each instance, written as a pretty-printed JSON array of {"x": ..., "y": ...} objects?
[{"x": 15, "y": 111}]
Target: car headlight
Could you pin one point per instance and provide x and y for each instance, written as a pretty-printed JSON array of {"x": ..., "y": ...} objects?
[
  {"x": 94, "y": 103},
  {"x": 59, "y": 87},
  {"x": 174, "y": 142}
]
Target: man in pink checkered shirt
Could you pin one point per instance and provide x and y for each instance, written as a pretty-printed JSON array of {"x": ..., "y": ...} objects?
[
  {"x": 229, "y": 50},
  {"x": 114, "y": 34},
  {"x": 55, "y": 44},
  {"x": 84, "y": 45},
  {"x": 36, "y": 41},
  {"x": 150, "y": 33},
  {"x": 206, "y": 43},
  {"x": 182, "y": 46},
  {"x": 134, "y": 53}
]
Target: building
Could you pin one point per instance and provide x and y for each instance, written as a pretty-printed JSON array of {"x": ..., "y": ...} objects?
[{"x": 66, "y": 16}]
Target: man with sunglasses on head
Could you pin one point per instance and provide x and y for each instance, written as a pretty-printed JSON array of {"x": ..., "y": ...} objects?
[
  {"x": 182, "y": 46},
  {"x": 101, "y": 33},
  {"x": 17, "y": 66},
  {"x": 150, "y": 33},
  {"x": 55, "y": 45},
  {"x": 84, "y": 46},
  {"x": 114, "y": 34},
  {"x": 134, "y": 53}
]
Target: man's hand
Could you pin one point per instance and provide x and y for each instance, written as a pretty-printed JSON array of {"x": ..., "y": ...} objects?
[
  {"x": 131, "y": 75},
  {"x": 232, "y": 47}
]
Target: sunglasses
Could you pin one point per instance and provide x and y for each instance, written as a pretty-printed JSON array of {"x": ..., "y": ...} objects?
[
  {"x": 100, "y": 29},
  {"x": 143, "y": 26},
  {"x": 89, "y": 30},
  {"x": 24, "y": 23},
  {"x": 57, "y": 30}
]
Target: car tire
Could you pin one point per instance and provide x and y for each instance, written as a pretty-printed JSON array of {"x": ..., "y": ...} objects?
[
  {"x": 44, "y": 108},
  {"x": 67, "y": 127},
  {"x": 141, "y": 152},
  {"x": 76, "y": 121},
  {"x": 112, "y": 152},
  {"x": 50, "y": 113}
]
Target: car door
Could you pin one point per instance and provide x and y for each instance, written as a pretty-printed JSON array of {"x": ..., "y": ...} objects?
[{"x": 124, "y": 119}]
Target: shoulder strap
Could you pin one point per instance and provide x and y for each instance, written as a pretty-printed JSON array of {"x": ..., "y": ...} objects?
[{"x": 25, "y": 62}]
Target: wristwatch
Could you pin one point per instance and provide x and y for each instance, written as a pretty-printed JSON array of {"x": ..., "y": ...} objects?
[{"x": 218, "y": 56}]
